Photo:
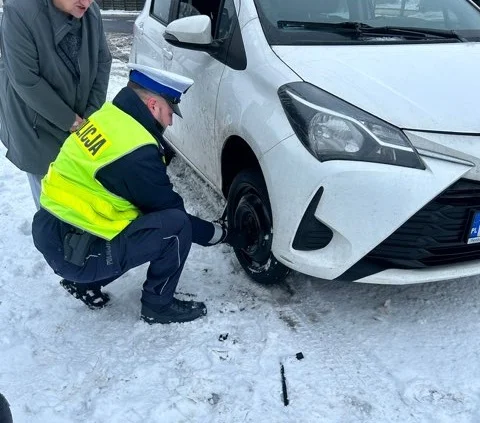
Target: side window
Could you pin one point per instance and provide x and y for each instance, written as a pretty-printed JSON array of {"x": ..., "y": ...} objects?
[
  {"x": 226, "y": 20},
  {"x": 186, "y": 8},
  {"x": 211, "y": 8},
  {"x": 161, "y": 9}
]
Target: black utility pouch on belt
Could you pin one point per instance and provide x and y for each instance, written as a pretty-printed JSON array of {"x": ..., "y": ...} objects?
[{"x": 76, "y": 245}]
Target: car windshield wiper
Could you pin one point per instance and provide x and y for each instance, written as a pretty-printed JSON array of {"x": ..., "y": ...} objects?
[
  {"x": 361, "y": 29},
  {"x": 322, "y": 25},
  {"x": 402, "y": 31}
]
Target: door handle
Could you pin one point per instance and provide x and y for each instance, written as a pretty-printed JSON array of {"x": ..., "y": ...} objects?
[{"x": 167, "y": 53}]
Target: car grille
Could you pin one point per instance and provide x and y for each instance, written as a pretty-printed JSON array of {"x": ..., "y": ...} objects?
[{"x": 436, "y": 234}]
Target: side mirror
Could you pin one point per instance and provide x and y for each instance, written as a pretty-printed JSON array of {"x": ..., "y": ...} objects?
[{"x": 192, "y": 32}]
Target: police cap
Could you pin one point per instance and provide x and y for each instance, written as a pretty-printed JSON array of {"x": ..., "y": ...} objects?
[{"x": 168, "y": 85}]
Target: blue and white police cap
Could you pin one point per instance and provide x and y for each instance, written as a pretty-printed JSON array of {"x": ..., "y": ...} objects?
[{"x": 169, "y": 85}]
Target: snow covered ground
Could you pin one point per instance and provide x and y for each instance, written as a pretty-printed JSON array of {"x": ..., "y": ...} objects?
[{"x": 371, "y": 353}]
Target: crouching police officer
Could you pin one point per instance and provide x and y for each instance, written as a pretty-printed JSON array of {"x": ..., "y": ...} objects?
[{"x": 107, "y": 204}]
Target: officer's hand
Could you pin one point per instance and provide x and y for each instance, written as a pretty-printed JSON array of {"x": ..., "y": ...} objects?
[{"x": 234, "y": 238}]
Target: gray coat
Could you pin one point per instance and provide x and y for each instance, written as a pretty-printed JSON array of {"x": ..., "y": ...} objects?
[{"x": 39, "y": 94}]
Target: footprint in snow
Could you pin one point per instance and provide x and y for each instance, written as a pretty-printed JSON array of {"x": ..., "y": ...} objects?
[
  {"x": 427, "y": 396},
  {"x": 26, "y": 228}
]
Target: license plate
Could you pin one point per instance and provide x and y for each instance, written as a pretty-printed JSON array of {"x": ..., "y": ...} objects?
[{"x": 474, "y": 234}]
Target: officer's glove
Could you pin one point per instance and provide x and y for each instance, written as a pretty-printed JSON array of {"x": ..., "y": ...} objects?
[{"x": 234, "y": 238}]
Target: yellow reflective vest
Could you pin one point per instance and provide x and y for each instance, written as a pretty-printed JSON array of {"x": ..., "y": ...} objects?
[{"x": 70, "y": 189}]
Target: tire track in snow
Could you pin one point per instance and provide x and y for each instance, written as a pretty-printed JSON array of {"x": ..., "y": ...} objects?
[{"x": 344, "y": 375}]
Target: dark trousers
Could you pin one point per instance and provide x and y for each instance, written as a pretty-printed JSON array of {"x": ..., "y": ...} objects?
[{"x": 162, "y": 238}]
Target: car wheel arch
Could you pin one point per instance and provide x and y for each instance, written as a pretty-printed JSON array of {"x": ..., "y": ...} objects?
[{"x": 237, "y": 155}]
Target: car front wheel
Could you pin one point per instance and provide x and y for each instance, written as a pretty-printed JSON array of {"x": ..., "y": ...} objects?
[{"x": 249, "y": 213}]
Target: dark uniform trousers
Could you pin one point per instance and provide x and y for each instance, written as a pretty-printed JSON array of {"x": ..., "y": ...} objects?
[{"x": 162, "y": 238}]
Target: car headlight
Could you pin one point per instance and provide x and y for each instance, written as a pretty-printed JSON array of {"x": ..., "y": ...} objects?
[{"x": 332, "y": 129}]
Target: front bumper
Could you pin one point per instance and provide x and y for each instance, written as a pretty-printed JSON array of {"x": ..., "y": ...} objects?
[
  {"x": 362, "y": 204},
  {"x": 431, "y": 274}
]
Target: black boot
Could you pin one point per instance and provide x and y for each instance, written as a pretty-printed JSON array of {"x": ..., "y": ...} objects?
[
  {"x": 177, "y": 311},
  {"x": 89, "y": 293}
]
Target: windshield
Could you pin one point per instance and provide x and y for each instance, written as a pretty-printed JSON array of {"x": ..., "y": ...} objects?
[{"x": 368, "y": 21}]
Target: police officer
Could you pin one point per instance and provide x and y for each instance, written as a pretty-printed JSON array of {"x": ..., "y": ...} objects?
[{"x": 107, "y": 204}]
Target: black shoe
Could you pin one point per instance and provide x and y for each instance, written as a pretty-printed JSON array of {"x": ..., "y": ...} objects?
[
  {"x": 191, "y": 304},
  {"x": 90, "y": 294},
  {"x": 177, "y": 311}
]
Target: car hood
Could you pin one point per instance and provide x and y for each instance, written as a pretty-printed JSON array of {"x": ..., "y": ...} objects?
[{"x": 423, "y": 87}]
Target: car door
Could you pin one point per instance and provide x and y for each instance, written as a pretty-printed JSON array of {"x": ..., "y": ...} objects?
[
  {"x": 151, "y": 49},
  {"x": 194, "y": 135}
]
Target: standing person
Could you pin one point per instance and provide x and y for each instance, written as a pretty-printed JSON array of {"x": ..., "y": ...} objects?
[
  {"x": 108, "y": 205},
  {"x": 54, "y": 71}
]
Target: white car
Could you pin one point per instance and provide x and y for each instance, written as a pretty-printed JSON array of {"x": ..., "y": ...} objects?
[{"x": 345, "y": 134}]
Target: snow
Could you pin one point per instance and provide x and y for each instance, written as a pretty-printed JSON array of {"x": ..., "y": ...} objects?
[{"x": 371, "y": 353}]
